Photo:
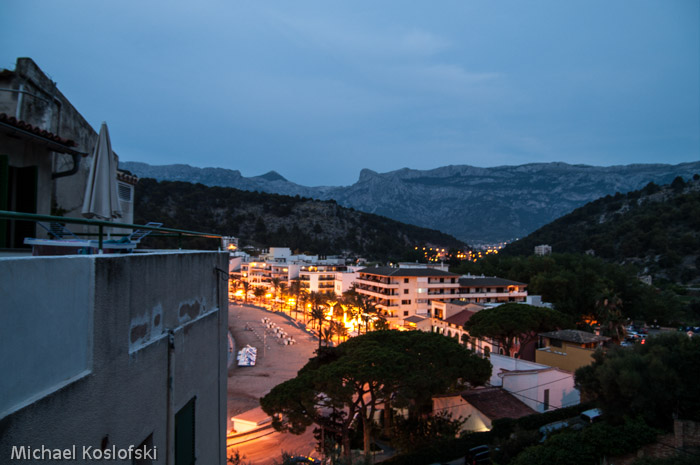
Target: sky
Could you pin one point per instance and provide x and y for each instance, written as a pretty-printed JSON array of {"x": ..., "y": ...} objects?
[{"x": 318, "y": 90}]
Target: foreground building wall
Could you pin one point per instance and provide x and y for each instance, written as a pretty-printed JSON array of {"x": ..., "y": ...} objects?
[{"x": 114, "y": 351}]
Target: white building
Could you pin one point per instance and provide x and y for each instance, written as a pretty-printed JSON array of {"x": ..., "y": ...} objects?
[
  {"x": 404, "y": 292},
  {"x": 538, "y": 386},
  {"x": 543, "y": 249}
]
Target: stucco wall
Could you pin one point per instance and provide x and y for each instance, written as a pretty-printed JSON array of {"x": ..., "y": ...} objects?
[
  {"x": 460, "y": 408},
  {"x": 138, "y": 299},
  {"x": 530, "y": 389},
  {"x": 45, "y": 326}
]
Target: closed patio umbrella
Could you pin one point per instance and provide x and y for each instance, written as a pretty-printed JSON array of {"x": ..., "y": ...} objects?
[{"x": 101, "y": 198}]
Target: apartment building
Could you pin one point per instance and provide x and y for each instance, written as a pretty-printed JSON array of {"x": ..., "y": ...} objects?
[
  {"x": 403, "y": 292},
  {"x": 491, "y": 290},
  {"x": 407, "y": 291},
  {"x": 320, "y": 278}
]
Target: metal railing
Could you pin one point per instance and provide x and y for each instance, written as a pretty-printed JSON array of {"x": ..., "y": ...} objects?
[{"x": 101, "y": 224}]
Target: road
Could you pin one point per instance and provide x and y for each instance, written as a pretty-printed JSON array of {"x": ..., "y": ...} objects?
[{"x": 276, "y": 363}]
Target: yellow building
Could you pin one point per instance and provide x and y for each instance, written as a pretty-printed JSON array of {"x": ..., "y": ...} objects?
[{"x": 568, "y": 349}]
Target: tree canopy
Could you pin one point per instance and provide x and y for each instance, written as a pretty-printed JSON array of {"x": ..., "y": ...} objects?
[
  {"x": 393, "y": 368},
  {"x": 514, "y": 325},
  {"x": 655, "y": 380},
  {"x": 573, "y": 283}
]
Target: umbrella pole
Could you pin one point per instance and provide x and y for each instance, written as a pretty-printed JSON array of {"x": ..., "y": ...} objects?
[{"x": 100, "y": 243}]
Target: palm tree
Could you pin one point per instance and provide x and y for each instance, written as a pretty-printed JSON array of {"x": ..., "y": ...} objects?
[
  {"x": 327, "y": 334},
  {"x": 295, "y": 290},
  {"x": 340, "y": 330},
  {"x": 331, "y": 300},
  {"x": 275, "y": 289},
  {"x": 245, "y": 285},
  {"x": 317, "y": 313},
  {"x": 283, "y": 291},
  {"x": 259, "y": 293},
  {"x": 350, "y": 304},
  {"x": 609, "y": 307},
  {"x": 367, "y": 309},
  {"x": 303, "y": 299}
]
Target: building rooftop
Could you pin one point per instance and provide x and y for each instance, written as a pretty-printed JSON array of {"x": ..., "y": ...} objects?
[
  {"x": 414, "y": 319},
  {"x": 36, "y": 131},
  {"x": 574, "y": 335},
  {"x": 496, "y": 403},
  {"x": 460, "y": 318},
  {"x": 389, "y": 271},
  {"x": 487, "y": 281}
]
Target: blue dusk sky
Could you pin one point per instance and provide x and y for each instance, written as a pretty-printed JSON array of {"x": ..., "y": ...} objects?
[{"x": 318, "y": 90}]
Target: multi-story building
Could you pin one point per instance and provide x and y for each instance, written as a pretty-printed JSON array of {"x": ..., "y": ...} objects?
[
  {"x": 320, "y": 278},
  {"x": 314, "y": 272},
  {"x": 403, "y": 292},
  {"x": 488, "y": 289}
]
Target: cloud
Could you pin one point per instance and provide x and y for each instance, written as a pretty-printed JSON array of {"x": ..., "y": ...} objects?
[{"x": 348, "y": 39}]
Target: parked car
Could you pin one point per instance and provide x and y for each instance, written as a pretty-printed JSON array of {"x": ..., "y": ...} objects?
[
  {"x": 478, "y": 455},
  {"x": 593, "y": 415},
  {"x": 550, "y": 428},
  {"x": 304, "y": 460}
]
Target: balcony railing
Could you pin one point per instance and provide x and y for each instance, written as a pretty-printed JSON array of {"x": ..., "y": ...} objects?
[
  {"x": 375, "y": 282},
  {"x": 101, "y": 224}
]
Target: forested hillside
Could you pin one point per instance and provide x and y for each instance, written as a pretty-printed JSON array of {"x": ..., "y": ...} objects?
[
  {"x": 656, "y": 229},
  {"x": 264, "y": 220}
]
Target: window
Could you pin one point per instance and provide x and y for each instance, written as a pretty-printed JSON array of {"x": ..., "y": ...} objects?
[
  {"x": 546, "y": 400},
  {"x": 405, "y": 280},
  {"x": 405, "y": 313},
  {"x": 442, "y": 280},
  {"x": 405, "y": 302},
  {"x": 405, "y": 291},
  {"x": 184, "y": 434}
]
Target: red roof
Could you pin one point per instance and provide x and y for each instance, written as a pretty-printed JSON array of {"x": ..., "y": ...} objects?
[
  {"x": 37, "y": 131},
  {"x": 496, "y": 403},
  {"x": 460, "y": 318}
]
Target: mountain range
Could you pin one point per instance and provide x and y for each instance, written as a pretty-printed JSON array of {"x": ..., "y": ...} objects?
[{"x": 476, "y": 205}]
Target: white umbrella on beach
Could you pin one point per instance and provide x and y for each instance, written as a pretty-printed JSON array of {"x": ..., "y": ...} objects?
[{"x": 101, "y": 198}]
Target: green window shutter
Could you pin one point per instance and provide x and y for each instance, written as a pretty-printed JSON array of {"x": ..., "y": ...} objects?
[{"x": 184, "y": 434}]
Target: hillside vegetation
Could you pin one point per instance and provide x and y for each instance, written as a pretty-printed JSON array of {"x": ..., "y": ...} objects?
[
  {"x": 264, "y": 220},
  {"x": 656, "y": 229}
]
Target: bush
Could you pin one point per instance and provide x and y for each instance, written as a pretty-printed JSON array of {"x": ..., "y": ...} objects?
[{"x": 589, "y": 446}]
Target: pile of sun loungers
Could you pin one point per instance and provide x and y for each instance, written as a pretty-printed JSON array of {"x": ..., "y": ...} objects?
[
  {"x": 277, "y": 332},
  {"x": 247, "y": 356}
]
